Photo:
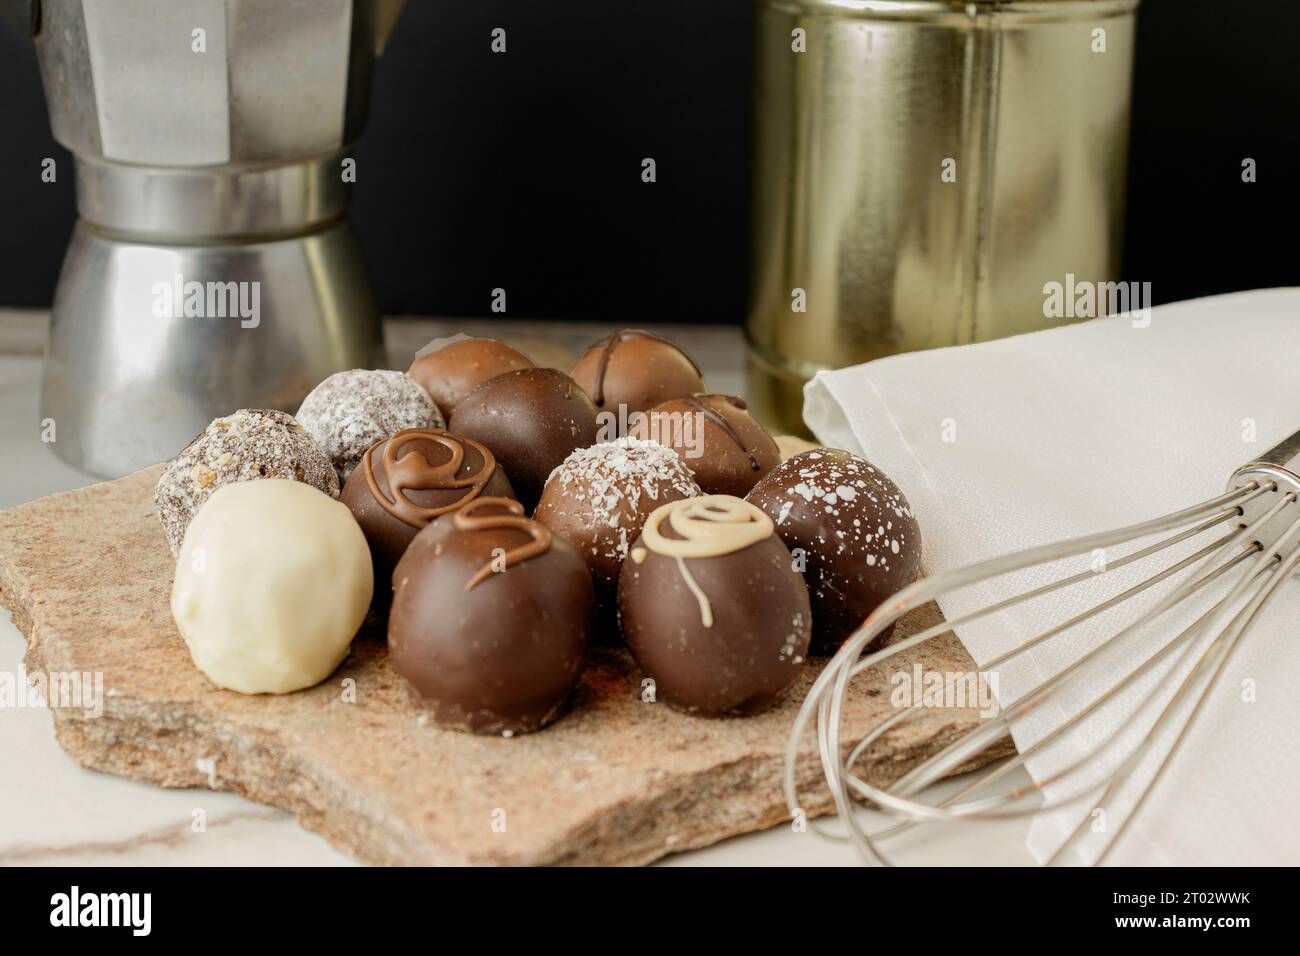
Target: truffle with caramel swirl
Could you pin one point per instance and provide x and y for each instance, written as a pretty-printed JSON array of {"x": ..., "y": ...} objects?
[
  {"x": 404, "y": 482},
  {"x": 491, "y": 619},
  {"x": 712, "y": 607}
]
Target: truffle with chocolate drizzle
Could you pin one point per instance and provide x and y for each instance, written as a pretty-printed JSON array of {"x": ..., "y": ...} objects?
[
  {"x": 713, "y": 608},
  {"x": 717, "y": 438},
  {"x": 404, "y": 482},
  {"x": 491, "y": 619},
  {"x": 636, "y": 370}
]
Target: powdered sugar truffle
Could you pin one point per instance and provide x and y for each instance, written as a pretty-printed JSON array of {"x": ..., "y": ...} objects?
[
  {"x": 250, "y": 444},
  {"x": 350, "y": 411},
  {"x": 598, "y": 499},
  {"x": 853, "y": 530}
]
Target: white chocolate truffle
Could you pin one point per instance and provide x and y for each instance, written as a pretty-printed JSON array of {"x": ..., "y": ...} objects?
[{"x": 272, "y": 583}]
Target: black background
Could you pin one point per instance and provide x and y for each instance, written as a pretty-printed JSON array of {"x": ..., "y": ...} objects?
[{"x": 523, "y": 171}]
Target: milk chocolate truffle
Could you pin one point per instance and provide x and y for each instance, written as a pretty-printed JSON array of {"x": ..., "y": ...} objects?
[
  {"x": 273, "y": 583},
  {"x": 636, "y": 370},
  {"x": 531, "y": 418},
  {"x": 406, "y": 481},
  {"x": 712, "y": 609},
  {"x": 719, "y": 440},
  {"x": 852, "y": 529},
  {"x": 490, "y": 620},
  {"x": 350, "y": 411},
  {"x": 250, "y": 444},
  {"x": 451, "y": 372},
  {"x": 599, "y": 498}
]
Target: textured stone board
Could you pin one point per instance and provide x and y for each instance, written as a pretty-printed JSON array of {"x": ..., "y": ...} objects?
[{"x": 616, "y": 780}]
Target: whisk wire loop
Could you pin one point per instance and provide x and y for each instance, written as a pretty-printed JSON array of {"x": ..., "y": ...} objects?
[{"x": 824, "y": 706}]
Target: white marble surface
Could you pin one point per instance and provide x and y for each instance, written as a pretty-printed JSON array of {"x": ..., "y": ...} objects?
[{"x": 53, "y": 812}]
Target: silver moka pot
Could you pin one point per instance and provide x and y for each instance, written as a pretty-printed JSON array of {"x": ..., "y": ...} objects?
[{"x": 213, "y": 266}]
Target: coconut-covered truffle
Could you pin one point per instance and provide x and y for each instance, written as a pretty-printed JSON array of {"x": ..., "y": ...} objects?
[
  {"x": 852, "y": 530},
  {"x": 252, "y": 443},
  {"x": 598, "y": 499},
  {"x": 350, "y": 411}
]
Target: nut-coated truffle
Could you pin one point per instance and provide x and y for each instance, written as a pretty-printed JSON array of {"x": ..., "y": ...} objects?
[{"x": 252, "y": 443}]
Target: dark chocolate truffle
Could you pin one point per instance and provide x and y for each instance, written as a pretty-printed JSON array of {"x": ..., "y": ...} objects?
[
  {"x": 252, "y": 443},
  {"x": 636, "y": 370},
  {"x": 600, "y": 497},
  {"x": 712, "y": 609},
  {"x": 406, "y": 481},
  {"x": 461, "y": 365},
  {"x": 531, "y": 419},
  {"x": 350, "y": 411},
  {"x": 491, "y": 618},
  {"x": 726, "y": 448},
  {"x": 852, "y": 530}
]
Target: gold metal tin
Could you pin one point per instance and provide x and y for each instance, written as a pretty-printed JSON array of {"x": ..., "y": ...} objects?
[{"x": 851, "y": 205}]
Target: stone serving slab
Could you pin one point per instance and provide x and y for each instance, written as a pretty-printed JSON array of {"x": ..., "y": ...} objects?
[{"x": 615, "y": 781}]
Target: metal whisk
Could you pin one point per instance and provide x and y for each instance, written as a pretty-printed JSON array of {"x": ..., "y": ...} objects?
[{"x": 1254, "y": 546}]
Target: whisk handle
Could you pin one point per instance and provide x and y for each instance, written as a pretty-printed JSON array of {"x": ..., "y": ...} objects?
[
  {"x": 1280, "y": 466},
  {"x": 1282, "y": 460}
]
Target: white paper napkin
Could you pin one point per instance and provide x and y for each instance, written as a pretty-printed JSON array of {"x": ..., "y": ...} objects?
[{"x": 1024, "y": 441}]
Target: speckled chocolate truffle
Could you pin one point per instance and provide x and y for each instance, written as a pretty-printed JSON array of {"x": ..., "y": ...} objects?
[
  {"x": 451, "y": 372},
  {"x": 600, "y": 497},
  {"x": 726, "y": 448},
  {"x": 712, "y": 609},
  {"x": 406, "y": 481},
  {"x": 350, "y": 411},
  {"x": 490, "y": 623},
  {"x": 852, "y": 529},
  {"x": 531, "y": 419},
  {"x": 252, "y": 443},
  {"x": 636, "y": 370}
]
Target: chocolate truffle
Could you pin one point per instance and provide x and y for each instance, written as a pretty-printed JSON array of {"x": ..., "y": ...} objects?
[
  {"x": 712, "y": 609},
  {"x": 717, "y": 438},
  {"x": 636, "y": 370},
  {"x": 600, "y": 497},
  {"x": 451, "y": 372},
  {"x": 252, "y": 443},
  {"x": 491, "y": 619},
  {"x": 350, "y": 411},
  {"x": 851, "y": 529},
  {"x": 531, "y": 418},
  {"x": 406, "y": 481},
  {"x": 274, "y": 584}
]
